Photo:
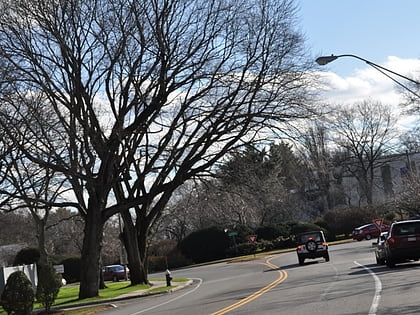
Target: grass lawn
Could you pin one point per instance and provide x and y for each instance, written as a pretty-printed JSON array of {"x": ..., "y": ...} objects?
[{"x": 69, "y": 295}]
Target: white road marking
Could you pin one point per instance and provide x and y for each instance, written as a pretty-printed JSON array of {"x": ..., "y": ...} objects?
[
  {"x": 171, "y": 300},
  {"x": 378, "y": 289}
]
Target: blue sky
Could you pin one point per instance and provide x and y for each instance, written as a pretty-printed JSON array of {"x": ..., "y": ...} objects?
[
  {"x": 372, "y": 29},
  {"x": 385, "y": 32}
]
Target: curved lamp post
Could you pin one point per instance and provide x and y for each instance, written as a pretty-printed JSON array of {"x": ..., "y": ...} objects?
[{"x": 323, "y": 60}]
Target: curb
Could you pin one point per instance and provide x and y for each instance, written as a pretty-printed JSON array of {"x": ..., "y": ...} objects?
[{"x": 128, "y": 297}]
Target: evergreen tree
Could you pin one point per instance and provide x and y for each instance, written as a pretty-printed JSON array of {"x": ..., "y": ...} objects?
[
  {"x": 49, "y": 283},
  {"x": 18, "y": 295}
]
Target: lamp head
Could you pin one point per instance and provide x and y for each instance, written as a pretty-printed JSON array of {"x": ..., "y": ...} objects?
[{"x": 323, "y": 60}]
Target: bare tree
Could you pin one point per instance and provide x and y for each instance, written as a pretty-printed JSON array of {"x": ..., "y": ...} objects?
[
  {"x": 254, "y": 187},
  {"x": 28, "y": 187},
  {"x": 181, "y": 215},
  {"x": 143, "y": 95},
  {"x": 17, "y": 228},
  {"x": 408, "y": 203},
  {"x": 410, "y": 140},
  {"x": 64, "y": 232},
  {"x": 365, "y": 132},
  {"x": 263, "y": 182},
  {"x": 315, "y": 148}
]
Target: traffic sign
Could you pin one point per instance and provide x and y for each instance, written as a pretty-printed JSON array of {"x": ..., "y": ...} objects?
[
  {"x": 252, "y": 238},
  {"x": 378, "y": 223},
  {"x": 59, "y": 268}
]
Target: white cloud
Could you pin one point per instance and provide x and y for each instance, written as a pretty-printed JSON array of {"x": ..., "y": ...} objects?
[{"x": 368, "y": 83}]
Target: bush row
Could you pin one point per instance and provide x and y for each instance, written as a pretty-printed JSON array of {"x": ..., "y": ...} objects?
[{"x": 215, "y": 243}]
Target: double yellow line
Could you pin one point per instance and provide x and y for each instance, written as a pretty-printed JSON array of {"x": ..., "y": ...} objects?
[{"x": 280, "y": 279}]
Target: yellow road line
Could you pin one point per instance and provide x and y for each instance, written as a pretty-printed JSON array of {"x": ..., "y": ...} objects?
[{"x": 280, "y": 279}]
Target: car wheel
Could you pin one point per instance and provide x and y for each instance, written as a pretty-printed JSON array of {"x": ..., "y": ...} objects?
[
  {"x": 301, "y": 261},
  {"x": 380, "y": 261},
  {"x": 311, "y": 246},
  {"x": 390, "y": 262},
  {"x": 368, "y": 237},
  {"x": 327, "y": 257}
]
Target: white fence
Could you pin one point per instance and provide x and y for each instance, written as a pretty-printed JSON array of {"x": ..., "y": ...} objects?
[{"x": 29, "y": 270}]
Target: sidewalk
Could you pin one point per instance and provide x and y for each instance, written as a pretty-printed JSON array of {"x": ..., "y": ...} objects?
[{"x": 155, "y": 285}]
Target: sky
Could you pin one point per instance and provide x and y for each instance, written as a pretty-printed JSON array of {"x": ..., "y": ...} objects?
[{"x": 385, "y": 32}]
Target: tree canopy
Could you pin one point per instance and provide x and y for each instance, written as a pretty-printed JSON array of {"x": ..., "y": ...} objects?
[{"x": 128, "y": 99}]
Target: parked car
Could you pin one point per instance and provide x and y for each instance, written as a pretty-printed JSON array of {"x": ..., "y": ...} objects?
[
  {"x": 380, "y": 248},
  {"x": 368, "y": 231},
  {"x": 115, "y": 273},
  {"x": 311, "y": 245},
  {"x": 403, "y": 242}
]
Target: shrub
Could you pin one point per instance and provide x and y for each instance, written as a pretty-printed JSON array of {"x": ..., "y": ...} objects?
[
  {"x": 390, "y": 216},
  {"x": 176, "y": 259},
  {"x": 26, "y": 256},
  {"x": 55, "y": 259},
  {"x": 305, "y": 227},
  {"x": 71, "y": 269},
  {"x": 156, "y": 263},
  {"x": 243, "y": 232},
  {"x": 281, "y": 243},
  {"x": 205, "y": 245},
  {"x": 268, "y": 233},
  {"x": 265, "y": 246},
  {"x": 344, "y": 220},
  {"x": 242, "y": 249},
  {"x": 49, "y": 283},
  {"x": 322, "y": 223},
  {"x": 162, "y": 247},
  {"x": 18, "y": 295}
]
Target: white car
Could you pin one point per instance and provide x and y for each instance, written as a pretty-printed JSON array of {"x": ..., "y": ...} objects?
[
  {"x": 380, "y": 249},
  {"x": 311, "y": 245}
]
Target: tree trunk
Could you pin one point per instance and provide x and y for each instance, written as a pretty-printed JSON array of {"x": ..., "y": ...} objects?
[
  {"x": 142, "y": 246},
  {"x": 132, "y": 248},
  {"x": 92, "y": 243},
  {"x": 40, "y": 234},
  {"x": 102, "y": 284}
]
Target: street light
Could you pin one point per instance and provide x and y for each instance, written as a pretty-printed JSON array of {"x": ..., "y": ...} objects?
[{"x": 323, "y": 60}]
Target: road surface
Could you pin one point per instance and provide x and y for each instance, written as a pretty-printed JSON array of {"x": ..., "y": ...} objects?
[{"x": 351, "y": 283}]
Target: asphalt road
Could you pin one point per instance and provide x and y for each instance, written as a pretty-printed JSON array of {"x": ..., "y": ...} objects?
[{"x": 351, "y": 283}]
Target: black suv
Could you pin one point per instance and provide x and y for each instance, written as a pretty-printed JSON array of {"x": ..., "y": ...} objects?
[
  {"x": 311, "y": 245},
  {"x": 403, "y": 242}
]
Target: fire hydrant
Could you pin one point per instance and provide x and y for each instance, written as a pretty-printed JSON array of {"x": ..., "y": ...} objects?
[{"x": 168, "y": 278}]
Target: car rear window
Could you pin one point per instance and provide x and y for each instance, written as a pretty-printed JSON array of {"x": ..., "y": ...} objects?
[
  {"x": 305, "y": 237},
  {"x": 407, "y": 228},
  {"x": 118, "y": 268}
]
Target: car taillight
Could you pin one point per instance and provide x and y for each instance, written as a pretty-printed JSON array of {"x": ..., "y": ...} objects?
[
  {"x": 299, "y": 247},
  {"x": 324, "y": 244},
  {"x": 390, "y": 241}
]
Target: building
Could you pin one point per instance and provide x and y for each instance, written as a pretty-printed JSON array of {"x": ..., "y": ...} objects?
[
  {"x": 390, "y": 176},
  {"x": 8, "y": 253}
]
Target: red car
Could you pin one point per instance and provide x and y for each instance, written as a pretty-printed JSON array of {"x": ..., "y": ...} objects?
[
  {"x": 368, "y": 231},
  {"x": 403, "y": 242},
  {"x": 115, "y": 273}
]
